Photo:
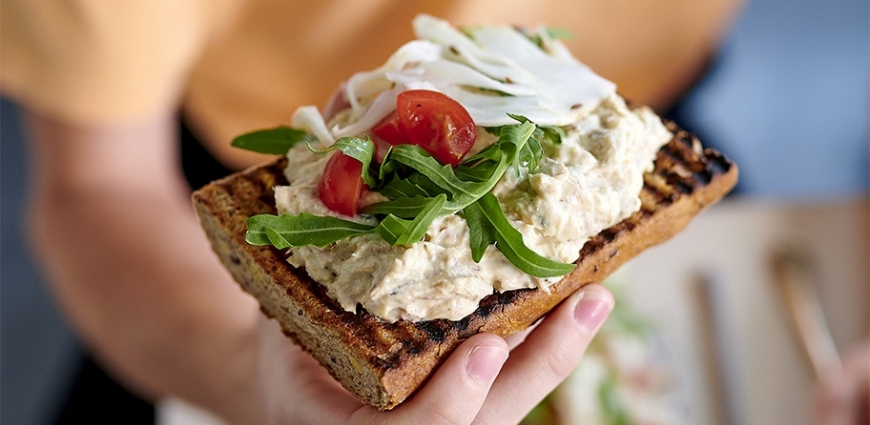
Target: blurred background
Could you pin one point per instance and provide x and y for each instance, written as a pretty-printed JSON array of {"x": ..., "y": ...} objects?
[{"x": 787, "y": 99}]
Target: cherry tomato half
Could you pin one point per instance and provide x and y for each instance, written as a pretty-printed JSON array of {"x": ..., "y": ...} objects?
[
  {"x": 391, "y": 131},
  {"x": 341, "y": 185},
  {"x": 431, "y": 120},
  {"x": 426, "y": 118}
]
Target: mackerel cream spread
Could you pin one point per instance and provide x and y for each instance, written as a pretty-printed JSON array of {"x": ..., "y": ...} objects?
[{"x": 586, "y": 183}]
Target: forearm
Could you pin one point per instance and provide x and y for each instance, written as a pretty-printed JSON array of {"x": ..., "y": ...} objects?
[{"x": 132, "y": 269}]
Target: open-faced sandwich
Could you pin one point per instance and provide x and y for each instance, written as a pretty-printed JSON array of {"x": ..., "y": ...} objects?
[{"x": 471, "y": 183}]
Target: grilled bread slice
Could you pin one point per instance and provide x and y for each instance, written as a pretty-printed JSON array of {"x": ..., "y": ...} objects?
[{"x": 383, "y": 363}]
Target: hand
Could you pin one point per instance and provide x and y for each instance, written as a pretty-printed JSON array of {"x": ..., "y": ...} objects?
[
  {"x": 843, "y": 397},
  {"x": 485, "y": 381}
]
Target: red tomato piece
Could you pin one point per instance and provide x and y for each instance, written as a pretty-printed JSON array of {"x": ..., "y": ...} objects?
[
  {"x": 391, "y": 131},
  {"x": 341, "y": 185},
  {"x": 433, "y": 121}
]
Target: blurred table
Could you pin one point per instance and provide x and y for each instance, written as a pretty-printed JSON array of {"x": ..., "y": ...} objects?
[{"x": 733, "y": 241}]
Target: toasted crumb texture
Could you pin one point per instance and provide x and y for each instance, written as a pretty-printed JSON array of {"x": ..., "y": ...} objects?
[{"x": 383, "y": 363}]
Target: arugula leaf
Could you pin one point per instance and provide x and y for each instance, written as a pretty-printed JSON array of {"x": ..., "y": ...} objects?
[
  {"x": 363, "y": 150},
  {"x": 493, "y": 130},
  {"x": 479, "y": 173},
  {"x": 416, "y": 229},
  {"x": 427, "y": 185},
  {"x": 399, "y": 187},
  {"x": 402, "y": 207},
  {"x": 462, "y": 192},
  {"x": 524, "y": 154},
  {"x": 481, "y": 232},
  {"x": 391, "y": 229},
  {"x": 420, "y": 189},
  {"x": 530, "y": 155},
  {"x": 510, "y": 241},
  {"x": 510, "y": 139},
  {"x": 417, "y": 159},
  {"x": 286, "y": 231},
  {"x": 273, "y": 141},
  {"x": 532, "y": 152},
  {"x": 552, "y": 133},
  {"x": 429, "y": 177},
  {"x": 422, "y": 222}
]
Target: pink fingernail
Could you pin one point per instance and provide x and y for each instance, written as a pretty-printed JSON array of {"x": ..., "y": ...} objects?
[
  {"x": 485, "y": 361},
  {"x": 593, "y": 307}
]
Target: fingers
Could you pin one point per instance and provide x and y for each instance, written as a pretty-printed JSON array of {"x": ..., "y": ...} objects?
[
  {"x": 477, "y": 383},
  {"x": 295, "y": 388},
  {"x": 518, "y": 338},
  {"x": 547, "y": 356},
  {"x": 271, "y": 367},
  {"x": 843, "y": 397},
  {"x": 456, "y": 392}
]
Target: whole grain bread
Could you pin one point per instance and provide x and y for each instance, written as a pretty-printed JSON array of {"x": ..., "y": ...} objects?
[{"x": 384, "y": 363}]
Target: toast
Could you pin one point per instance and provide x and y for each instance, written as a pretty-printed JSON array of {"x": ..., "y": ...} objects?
[{"x": 383, "y": 363}]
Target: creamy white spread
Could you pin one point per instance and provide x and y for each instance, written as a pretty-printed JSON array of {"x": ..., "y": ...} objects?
[{"x": 585, "y": 184}]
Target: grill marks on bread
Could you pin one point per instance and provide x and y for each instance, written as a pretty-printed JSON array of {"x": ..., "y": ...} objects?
[{"x": 384, "y": 363}]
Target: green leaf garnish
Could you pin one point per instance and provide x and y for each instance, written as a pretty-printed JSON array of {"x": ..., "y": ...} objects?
[
  {"x": 402, "y": 207},
  {"x": 420, "y": 189},
  {"x": 273, "y": 141},
  {"x": 481, "y": 232},
  {"x": 362, "y": 150},
  {"x": 510, "y": 241},
  {"x": 414, "y": 230},
  {"x": 399, "y": 187},
  {"x": 300, "y": 230},
  {"x": 552, "y": 133}
]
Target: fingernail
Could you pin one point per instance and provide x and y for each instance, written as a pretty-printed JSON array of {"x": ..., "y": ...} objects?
[
  {"x": 485, "y": 361},
  {"x": 592, "y": 308}
]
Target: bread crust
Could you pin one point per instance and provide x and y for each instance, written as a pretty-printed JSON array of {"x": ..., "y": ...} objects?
[{"x": 383, "y": 363}]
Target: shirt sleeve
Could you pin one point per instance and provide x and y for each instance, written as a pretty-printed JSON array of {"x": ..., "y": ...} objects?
[{"x": 103, "y": 61}]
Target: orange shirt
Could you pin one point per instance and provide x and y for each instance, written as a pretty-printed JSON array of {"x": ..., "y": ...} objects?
[{"x": 238, "y": 65}]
